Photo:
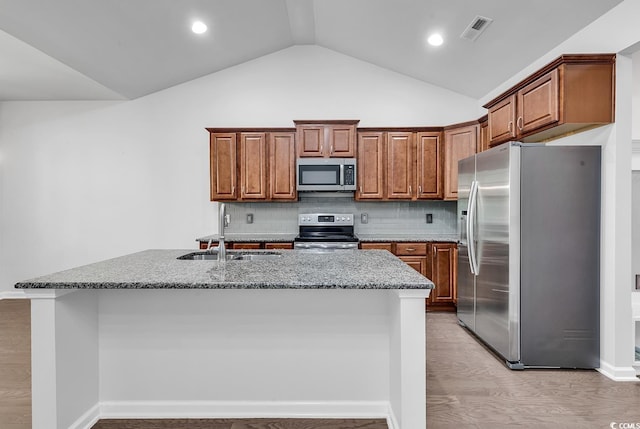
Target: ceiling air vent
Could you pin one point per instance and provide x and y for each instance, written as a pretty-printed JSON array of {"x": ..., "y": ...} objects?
[{"x": 475, "y": 29}]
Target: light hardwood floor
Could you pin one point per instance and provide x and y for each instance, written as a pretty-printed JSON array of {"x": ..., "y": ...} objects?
[{"x": 467, "y": 387}]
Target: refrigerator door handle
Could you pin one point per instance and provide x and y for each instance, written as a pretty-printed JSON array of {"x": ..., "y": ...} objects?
[{"x": 471, "y": 221}]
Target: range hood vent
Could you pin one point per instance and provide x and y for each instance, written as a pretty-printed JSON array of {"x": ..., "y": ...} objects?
[{"x": 476, "y": 28}]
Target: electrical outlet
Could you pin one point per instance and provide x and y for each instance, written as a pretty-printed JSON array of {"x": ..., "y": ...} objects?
[
  {"x": 249, "y": 217},
  {"x": 429, "y": 218},
  {"x": 364, "y": 218}
]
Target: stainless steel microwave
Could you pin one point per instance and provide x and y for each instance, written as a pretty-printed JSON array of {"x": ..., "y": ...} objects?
[{"x": 326, "y": 174}]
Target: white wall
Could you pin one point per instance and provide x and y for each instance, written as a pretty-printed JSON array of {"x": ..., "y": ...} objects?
[
  {"x": 84, "y": 181},
  {"x": 615, "y": 32}
]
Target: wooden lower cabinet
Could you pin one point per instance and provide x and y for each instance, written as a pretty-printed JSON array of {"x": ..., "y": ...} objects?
[
  {"x": 250, "y": 245},
  {"x": 436, "y": 261},
  {"x": 278, "y": 245},
  {"x": 442, "y": 270}
]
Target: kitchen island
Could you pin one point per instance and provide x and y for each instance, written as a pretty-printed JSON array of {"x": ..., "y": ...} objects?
[{"x": 147, "y": 335}]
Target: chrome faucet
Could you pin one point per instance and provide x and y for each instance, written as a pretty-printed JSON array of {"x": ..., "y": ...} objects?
[
  {"x": 220, "y": 248},
  {"x": 222, "y": 251}
]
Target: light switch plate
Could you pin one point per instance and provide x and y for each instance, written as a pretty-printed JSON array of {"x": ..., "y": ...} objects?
[
  {"x": 429, "y": 218},
  {"x": 249, "y": 217},
  {"x": 364, "y": 218}
]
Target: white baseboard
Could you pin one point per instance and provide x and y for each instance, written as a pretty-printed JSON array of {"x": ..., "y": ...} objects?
[
  {"x": 618, "y": 373},
  {"x": 246, "y": 409},
  {"x": 88, "y": 419},
  {"x": 10, "y": 294}
]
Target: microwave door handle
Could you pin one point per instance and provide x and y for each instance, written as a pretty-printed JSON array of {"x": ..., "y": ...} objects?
[{"x": 341, "y": 174}]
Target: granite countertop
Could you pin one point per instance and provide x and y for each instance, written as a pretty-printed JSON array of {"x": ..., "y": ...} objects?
[
  {"x": 284, "y": 237},
  {"x": 447, "y": 238},
  {"x": 251, "y": 237},
  {"x": 159, "y": 269}
]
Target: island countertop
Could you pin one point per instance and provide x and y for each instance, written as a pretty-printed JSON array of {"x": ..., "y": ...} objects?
[{"x": 160, "y": 269}]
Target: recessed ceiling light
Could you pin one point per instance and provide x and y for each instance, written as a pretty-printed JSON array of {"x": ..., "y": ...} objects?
[
  {"x": 435, "y": 39},
  {"x": 199, "y": 27}
]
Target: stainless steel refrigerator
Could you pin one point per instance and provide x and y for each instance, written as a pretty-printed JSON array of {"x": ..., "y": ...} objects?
[{"x": 529, "y": 253}]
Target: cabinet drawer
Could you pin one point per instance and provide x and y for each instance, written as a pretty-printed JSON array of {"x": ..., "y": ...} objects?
[
  {"x": 379, "y": 246},
  {"x": 247, "y": 245},
  {"x": 411, "y": 249},
  {"x": 286, "y": 245}
]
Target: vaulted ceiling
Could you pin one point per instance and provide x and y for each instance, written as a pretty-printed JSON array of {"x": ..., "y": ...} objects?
[{"x": 124, "y": 49}]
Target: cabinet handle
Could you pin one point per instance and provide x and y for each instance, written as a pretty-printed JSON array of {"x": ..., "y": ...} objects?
[
  {"x": 321, "y": 147},
  {"x": 331, "y": 150},
  {"x": 410, "y": 190},
  {"x": 510, "y": 126},
  {"x": 291, "y": 189},
  {"x": 233, "y": 189},
  {"x": 411, "y": 249},
  {"x": 361, "y": 189},
  {"x": 520, "y": 123},
  {"x": 420, "y": 189}
]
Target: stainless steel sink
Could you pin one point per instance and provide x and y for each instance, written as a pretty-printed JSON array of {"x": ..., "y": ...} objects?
[
  {"x": 257, "y": 256},
  {"x": 231, "y": 256}
]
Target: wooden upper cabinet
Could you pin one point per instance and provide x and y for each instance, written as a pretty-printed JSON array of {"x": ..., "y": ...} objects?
[
  {"x": 459, "y": 143},
  {"x": 370, "y": 165},
  {"x": 342, "y": 140},
  {"x": 223, "y": 164},
  {"x": 483, "y": 143},
  {"x": 400, "y": 165},
  {"x": 326, "y": 138},
  {"x": 429, "y": 165},
  {"x": 571, "y": 93},
  {"x": 282, "y": 166},
  {"x": 253, "y": 166},
  {"x": 502, "y": 119}
]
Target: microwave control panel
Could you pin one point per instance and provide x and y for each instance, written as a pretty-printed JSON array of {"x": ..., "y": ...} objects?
[{"x": 349, "y": 175}]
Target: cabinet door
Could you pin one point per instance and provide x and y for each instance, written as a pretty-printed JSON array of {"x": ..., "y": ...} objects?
[
  {"x": 459, "y": 143},
  {"x": 443, "y": 264},
  {"x": 282, "y": 166},
  {"x": 418, "y": 263},
  {"x": 253, "y": 165},
  {"x": 400, "y": 165},
  {"x": 370, "y": 166},
  {"x": 538, "y": 103},
  {"x": 341, "y": 141},
  {"x": 310, "y": 140},
  {"x": 483, "y": 143},
  {"x": 502, "y": 121},
  {"x": 223, "y": 167},
  {"x": 429, "y": 168}
]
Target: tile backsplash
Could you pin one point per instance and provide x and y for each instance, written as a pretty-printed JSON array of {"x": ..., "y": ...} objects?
[{"x": 402, "y": 217}]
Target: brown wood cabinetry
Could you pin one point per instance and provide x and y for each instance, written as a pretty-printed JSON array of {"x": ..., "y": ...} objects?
[
  {"x": 326, "y": 138},
  {"x": 441, "y": 269},
  {"x": 371, "y": 157},
  {"x": 483, "y": 142},
  {"x": 436, "y": 261},
  {"x": 282, "y": 166},
  {"x": 261, "y": 161},
  {"x": 459, "y": 142},
  {"x": 253, "y": 166},
  {"x": 279, "y": 245},
  {"x": 399, "y": 165},
  {"x": 249, "y": 245},
  {"x": 571, "y": 93},
  {"x": 223, "y": 164}
]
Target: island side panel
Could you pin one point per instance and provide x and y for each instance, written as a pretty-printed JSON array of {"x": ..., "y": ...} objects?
[
  {"x": 408, "y": 372},
  {"x": 244, "y": 353},
  {"x": 64, "y": 362}
]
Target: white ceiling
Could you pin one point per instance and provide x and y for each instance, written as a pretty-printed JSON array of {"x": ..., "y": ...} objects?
[{"x": 114, "y": 49}]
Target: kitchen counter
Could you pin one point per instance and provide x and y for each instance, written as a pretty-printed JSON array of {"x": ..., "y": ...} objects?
[
  {"x": 322, "y": 335},
  {"x": 159, "y": 269},
  {"x": 386, "y": 237},
  {"x": 250, "y": 237},
  {"x": 403, "y": 237}
]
